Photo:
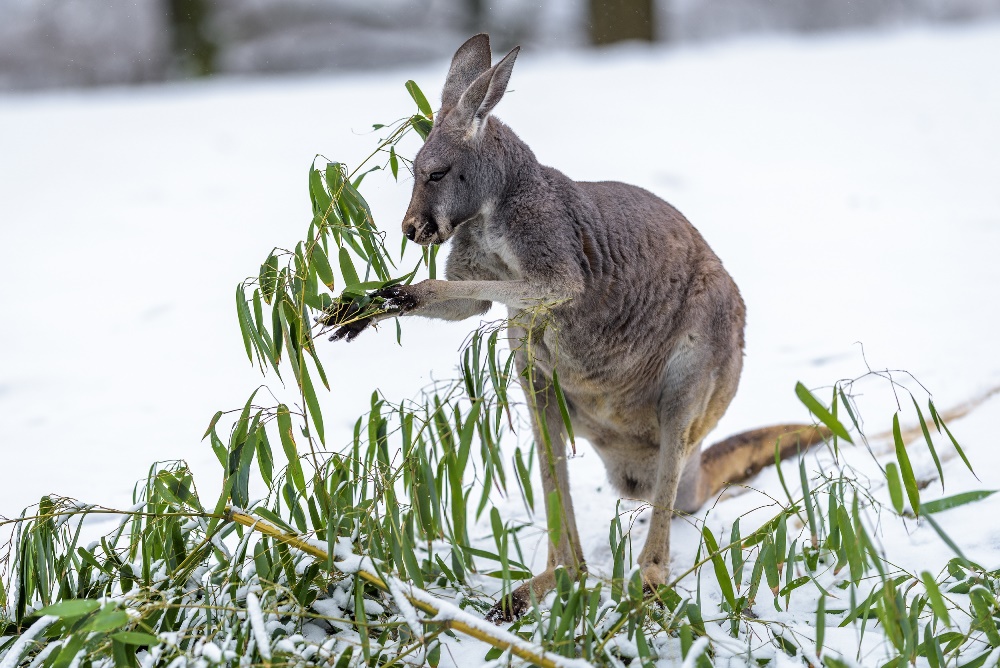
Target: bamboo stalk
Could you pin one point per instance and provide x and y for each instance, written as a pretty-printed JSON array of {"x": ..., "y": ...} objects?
[{"x": 421, "y": 600}]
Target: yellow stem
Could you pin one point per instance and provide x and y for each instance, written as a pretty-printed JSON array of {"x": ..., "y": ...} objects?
[{"x": 539, "y": 656}]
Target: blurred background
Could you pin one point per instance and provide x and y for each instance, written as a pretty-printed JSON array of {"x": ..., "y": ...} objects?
[
  {"x": 76, "y": 43},
  {"x": 840, "y": 156}
]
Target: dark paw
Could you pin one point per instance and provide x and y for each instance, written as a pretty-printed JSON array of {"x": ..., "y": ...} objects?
[
  {"x": 509, "y": 608},
  {"x": 344, "y": 316},
  {"x": 396, "y": 299}
]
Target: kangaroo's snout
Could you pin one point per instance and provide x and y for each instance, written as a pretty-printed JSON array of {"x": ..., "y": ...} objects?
[{"x": 424, "y": 230}]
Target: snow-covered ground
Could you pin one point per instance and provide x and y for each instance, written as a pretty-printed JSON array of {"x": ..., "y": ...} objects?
[{"x": 851, "y": 185}]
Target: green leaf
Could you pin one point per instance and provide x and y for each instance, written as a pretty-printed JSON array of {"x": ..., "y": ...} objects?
[
  {"x": 291, "y": 452},
  {"x": 420, "y": 99},
  {"x": 938, "y": 420},
  {"x": 955, "y": 501},
  {"x": 268, "y": 277},
  {"x": 895, "y": 488},
  {"x": 935, "y": 598},
  {"x": 721, "y": 574},
  {"x": 312, "y": 402},
  {"x": 563, "y": 409},
  {"x": 322, "y": 263},
  {"x": 71, "y": 608},
  {"x": 421, "y": 125},
  {"x": 347, "y": 269},
  {"x": 393, "y": 162},
  {"x": 909, "y": 481},
  {"x": 211, "y": 425},
  {"x": 106, "y": 620},
  {"x": 135, "y": 638},
  {"x": 241, "y": 302},
  {"x": 821, "y": 412},
  {"x": 930, "y": 443}
]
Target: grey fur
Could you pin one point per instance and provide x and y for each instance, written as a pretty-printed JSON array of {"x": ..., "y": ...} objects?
[{"x": 646, "y": 327}]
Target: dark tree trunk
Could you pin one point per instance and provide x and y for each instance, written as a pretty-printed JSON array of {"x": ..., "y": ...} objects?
[
  {"x": 617, "y": 20},
  {"x": 192, "y": 46}
]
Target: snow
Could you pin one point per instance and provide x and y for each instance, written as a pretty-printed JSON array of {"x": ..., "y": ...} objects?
[
  {"x": 849, "y": 184},
  {"x": 260, "y": 633}
]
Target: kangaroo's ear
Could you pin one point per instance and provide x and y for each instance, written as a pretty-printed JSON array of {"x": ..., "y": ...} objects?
[
  {"x": 471, "y": 60},
  {"x": 484, "y": 93}
]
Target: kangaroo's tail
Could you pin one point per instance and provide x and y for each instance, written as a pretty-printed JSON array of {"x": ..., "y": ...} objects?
[{"x": 741, "y": 456}]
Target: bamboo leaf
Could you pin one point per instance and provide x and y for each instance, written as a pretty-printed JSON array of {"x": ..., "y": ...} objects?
[
  {"x": 291, "y": 452},
  {"x": 905, "y": 469},
  {"x": 935, "y": 598},
  {"x": 719, "y": 564},
  {"x": 938, "y": 420},
  {"x": 949, "y": 502},
  {"x": 820, "y": 411},
  {"x": 930, "y": 443},
  {"x": 895, "y": 488},
  {"x": 418, "y": 96},
  {"x": 347, "y": 269},
  {"x": 322, "y": 264},
  {"x": 70, "y": 609},
  {"x": 563, "y": 409}
]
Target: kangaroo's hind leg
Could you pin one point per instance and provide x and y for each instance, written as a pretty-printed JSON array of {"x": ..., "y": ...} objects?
[
  {"x": 696, "y": 391},
  {"x": 564, "y": 549}
]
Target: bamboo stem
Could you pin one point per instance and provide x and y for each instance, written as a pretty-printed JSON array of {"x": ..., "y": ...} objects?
[{"x": 420, "y": 600}]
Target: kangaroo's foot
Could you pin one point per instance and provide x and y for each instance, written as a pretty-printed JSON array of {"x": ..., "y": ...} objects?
[
  {"x": 512, "y": 607},
  {"x": 653, "y": 575}
]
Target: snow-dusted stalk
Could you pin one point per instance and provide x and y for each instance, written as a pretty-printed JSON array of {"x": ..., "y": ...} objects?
[
  {"x": 443, "y": 612},
  {"x": 13, "y": 657}
]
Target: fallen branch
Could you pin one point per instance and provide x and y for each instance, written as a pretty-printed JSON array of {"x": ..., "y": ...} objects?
[{"x": 443, "y": 612}]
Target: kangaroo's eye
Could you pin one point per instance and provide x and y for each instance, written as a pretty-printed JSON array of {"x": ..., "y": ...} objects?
[{"x": 436, "y": 176}]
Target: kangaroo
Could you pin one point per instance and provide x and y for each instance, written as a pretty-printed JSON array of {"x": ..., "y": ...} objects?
[{"x": 644, "y": 323}]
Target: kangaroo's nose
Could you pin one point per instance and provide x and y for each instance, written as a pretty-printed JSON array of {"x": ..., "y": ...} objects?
[{"x": 411, "y": 231}]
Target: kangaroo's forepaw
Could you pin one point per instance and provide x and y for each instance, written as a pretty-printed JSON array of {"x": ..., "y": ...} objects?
[{"x": 397, "y": 299}]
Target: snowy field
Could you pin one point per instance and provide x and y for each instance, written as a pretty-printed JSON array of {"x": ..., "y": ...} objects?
[{"x": 850, "y": 184}]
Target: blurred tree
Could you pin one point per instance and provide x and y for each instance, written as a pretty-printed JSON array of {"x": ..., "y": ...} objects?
[
  {"x": 193, "y": 49},
  {"x": 617, "y": 20},
  {"x": 475, "y": 21}
]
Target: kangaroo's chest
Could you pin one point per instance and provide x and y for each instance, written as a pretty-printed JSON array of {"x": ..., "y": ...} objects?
[{"x": 487, "y": 254}]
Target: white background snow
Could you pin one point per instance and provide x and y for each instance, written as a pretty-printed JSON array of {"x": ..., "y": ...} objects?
[{"x": 851, "y": 185}]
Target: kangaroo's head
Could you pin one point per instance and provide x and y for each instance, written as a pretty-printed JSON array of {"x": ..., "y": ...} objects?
[{"x": 458, "y": 175}]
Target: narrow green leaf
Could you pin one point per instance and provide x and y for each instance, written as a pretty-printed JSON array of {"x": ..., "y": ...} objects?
[
  {"x": 421, "y": 125},
  {"x": 347, "y": 269},
  {"x": 935, "y": 598},
  {"x": 312, "y": 402},
  {"x": 241, "y": 302},
  {"x": 955, "y": 501},
  {"x": 291, "y": 452},
  {"x": 211, "y": 425},
  {"x": 322, "y": 264},
  {"x": 135, "y": 638},
  {"x": 418, "y": 96},
  {"x": 905, "y": 469},
  {"x": 820, "y": 624},
  {"x": 71, "y": 608},
  {"x": 393, "y": 162},
  {"x": 563, "y": 409},
  {"x": 938, "y": 420},
  {"x": 721, "y": 574},
  {"x": 820, "y": 411},
  {"x": 895, "y": 487},
  {"x": 930, "y": 443}
]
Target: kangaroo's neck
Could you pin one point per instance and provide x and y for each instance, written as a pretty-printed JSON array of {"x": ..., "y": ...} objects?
[{"x": 518, "y": 171}]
